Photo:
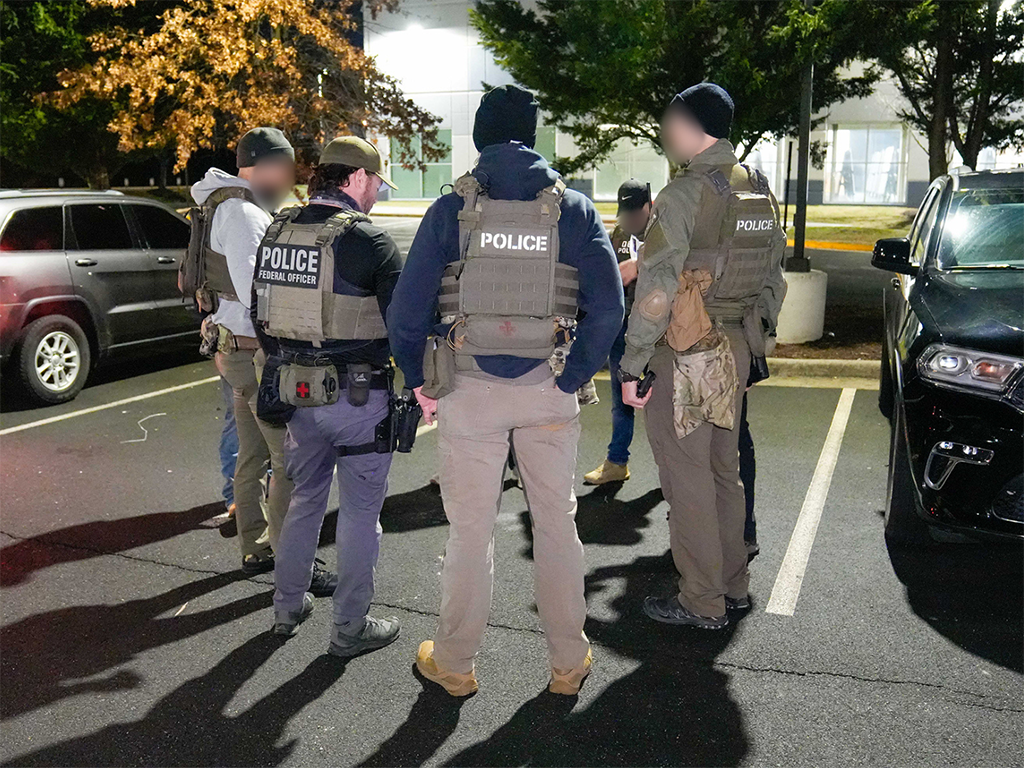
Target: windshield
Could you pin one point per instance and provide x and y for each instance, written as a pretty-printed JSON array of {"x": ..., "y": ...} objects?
[{"x": 984, "y": 228}]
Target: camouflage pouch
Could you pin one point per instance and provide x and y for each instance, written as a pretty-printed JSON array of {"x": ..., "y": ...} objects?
[
  {"x": 704, "y": 384},
  {"x": 209, "y": 337},
  {"x": 309, "y": 386}
]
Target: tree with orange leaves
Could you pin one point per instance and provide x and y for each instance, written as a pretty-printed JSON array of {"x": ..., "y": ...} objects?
[{"x": 205, "y": 71}]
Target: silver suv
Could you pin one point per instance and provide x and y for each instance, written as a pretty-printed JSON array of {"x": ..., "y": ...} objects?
[{"x": 84, "y": 275}]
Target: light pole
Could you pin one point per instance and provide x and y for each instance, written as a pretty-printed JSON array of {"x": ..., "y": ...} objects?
[{"x": 798, "y": 262}]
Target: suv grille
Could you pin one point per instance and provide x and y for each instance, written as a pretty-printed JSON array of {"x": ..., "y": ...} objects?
[{"x": 1009, "y": 502}]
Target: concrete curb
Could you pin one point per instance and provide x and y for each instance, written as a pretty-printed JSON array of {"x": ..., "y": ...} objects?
[{"x": 822, "y": 368}]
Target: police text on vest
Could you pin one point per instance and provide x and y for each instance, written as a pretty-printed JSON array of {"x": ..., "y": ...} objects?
[
  {"x": 297, "y": 266},
  {"x": 501, "y": 241},
  {"x": 754, "y": 225}
]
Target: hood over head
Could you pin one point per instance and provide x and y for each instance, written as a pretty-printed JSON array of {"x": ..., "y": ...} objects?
[{"x": 513, "y": 171}]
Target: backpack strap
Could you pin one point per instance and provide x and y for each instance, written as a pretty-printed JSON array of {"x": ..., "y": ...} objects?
[{"x": 338, "y": 225}]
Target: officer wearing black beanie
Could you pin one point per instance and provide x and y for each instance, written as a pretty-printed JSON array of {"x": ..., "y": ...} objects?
[
  {"x": 708, "y": 294},
  {"x": 509, "y": 257}
]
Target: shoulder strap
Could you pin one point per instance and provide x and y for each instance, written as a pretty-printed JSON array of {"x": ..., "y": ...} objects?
[
  {"x": 287, "y": 216},
  {"x": 469, "y": 189},
  {"x": 218, "y": 196},
  {"x": 339, "y": 224},
  {"x": 719, "y": 182},
  {"x": 551, "y": 199}
]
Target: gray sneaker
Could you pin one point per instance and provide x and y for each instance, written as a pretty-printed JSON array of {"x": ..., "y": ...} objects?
[
  {"x": 669, "y": 610},
  {"x": 376, "y": 633},
  {"x": 286, "y": 623}
]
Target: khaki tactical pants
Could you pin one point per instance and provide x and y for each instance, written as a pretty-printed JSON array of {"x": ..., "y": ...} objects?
[
  {"x": 477, "y": 423},
  {"x": 701, "y": 482},
  {"x": 258, "y": 442}
]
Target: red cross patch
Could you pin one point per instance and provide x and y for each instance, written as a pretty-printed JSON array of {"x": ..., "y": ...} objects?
[
  {"x": 302, "y": 390},
  {"x": 507, "y": 328}
]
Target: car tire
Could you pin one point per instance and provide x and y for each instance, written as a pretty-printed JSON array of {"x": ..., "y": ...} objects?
[
  {"x": 886, "y": 391},
  {"x": 903, "y": 526},
  {"x": 53, "y": 359}
]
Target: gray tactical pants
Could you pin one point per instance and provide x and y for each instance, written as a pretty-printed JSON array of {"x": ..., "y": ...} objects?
[{"x": 311, "y": 458}]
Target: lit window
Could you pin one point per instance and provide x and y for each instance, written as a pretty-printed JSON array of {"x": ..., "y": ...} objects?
[
  {"x": 417, "y": 184},
  {"x": 866, "y": 164}
]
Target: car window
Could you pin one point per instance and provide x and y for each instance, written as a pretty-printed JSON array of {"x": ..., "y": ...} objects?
[
  {"x": 919, "y": 244},
  {"x": 925, "y": 205},
  {"x": 161, "y": 228},
  {"x": 34, "y": 229},
  {"x": 100, "y": 227},
  {"x": 984, "y": 228}
]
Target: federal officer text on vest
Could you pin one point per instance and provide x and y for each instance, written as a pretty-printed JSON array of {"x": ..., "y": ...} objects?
[{"x": 294, "y": 265}]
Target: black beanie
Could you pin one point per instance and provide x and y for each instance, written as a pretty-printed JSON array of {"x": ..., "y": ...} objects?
[
  {"x": 506, "y": 113},
  {"x": 709, "y": 105}
]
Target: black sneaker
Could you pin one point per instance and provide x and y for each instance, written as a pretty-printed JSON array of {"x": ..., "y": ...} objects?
[
  {"x": 254, "y": 565},
  {"x": 669, "y": 610},
  {"x": 753, "y": 550},
  {"x": 737, "y": 604},
  {"x": 286, "y": 623},
  {"x": 323, "y": 582}
]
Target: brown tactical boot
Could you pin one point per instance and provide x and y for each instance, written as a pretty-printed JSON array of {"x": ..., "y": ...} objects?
[
  {"x": 608, "y": 472},
  {"x": 455, "y": 683}
]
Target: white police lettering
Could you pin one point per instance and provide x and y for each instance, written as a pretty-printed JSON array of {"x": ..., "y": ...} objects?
[
  {"x": 297, "y": 266},
  {"x": 754, "y": 225},
  {"x": 500, "y": 241}
]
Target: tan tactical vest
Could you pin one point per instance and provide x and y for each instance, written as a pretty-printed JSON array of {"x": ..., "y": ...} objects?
[
  {"x": 507, "y": 293},
  {"x": 294, "y": 282},
  {"x": 203, "y": 274},
  {"x": 732, "y": 238}
]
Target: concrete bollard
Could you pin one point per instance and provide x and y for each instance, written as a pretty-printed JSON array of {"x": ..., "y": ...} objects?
[{"x": 802, "y": 318}]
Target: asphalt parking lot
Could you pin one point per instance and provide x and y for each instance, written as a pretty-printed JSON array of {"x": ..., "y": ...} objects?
[{"x": 129, "y": 638}]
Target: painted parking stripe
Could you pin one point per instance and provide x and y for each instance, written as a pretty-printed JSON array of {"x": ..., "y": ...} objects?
[
  {"x": 794, "y": 565},
  {"x": 105, "y": 406}
]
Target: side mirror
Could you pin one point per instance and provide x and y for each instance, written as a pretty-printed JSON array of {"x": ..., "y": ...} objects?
[{"x": 893, "y": 255}]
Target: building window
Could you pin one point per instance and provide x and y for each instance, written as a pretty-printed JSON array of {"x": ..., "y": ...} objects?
[
  {"x": 629, "y": 161},
  {"x": 764, "y": 157},
  {"x": 545, "y": 145},
  {"x": 866, "y": 164},
  {"x": 417, "y": 184}
]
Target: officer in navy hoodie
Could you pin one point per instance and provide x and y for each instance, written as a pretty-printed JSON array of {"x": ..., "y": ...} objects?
[{"x": 493, "y": 281}]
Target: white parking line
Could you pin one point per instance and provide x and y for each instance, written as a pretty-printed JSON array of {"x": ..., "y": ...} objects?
[
  {"x": 794, "y": 565},
  {"x": 95, "y": 408}
]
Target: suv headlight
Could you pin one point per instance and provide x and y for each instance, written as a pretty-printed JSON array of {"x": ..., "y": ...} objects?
[{"x": 959, "y": 368}]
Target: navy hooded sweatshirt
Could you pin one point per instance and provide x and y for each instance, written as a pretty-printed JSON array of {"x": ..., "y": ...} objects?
[{"x": 510, "y": 172}]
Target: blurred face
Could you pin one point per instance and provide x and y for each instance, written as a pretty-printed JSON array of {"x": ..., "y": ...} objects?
[
  {"x": 363, "y": 188},
  {"x": 682, "y": 137},
  {"x": 635, "y": 222},
  {"x": 271, "y": 180}
]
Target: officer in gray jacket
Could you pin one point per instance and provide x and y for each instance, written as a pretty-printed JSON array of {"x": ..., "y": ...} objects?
[{"x": 323, "y": 283}]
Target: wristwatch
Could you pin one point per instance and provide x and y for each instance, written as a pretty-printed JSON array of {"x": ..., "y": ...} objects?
[{"x": 624, "y": 377}]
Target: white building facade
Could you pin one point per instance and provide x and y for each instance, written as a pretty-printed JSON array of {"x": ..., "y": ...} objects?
[{"x": 435, "y": 54}]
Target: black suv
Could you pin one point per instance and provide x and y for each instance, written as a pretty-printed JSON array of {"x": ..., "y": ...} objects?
[
  {"x": 83, "y": 275},
  {"x": 952, "y": 376}
]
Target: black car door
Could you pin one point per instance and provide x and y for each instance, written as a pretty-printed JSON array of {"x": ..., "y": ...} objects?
[
  {"x": 897, "y": 300},
  {"x": 165, "y": 236}
]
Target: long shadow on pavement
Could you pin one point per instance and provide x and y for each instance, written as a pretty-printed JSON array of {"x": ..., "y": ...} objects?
[
  {"x": 189, "y": 726},
  {"x": 46, "y": 654},
  {"x": 970, "y": 594},
  {"x": 20, "y": 560},
  {"x": 674, "y": 709}
]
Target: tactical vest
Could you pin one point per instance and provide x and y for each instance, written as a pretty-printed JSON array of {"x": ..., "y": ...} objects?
[
  {"x": 732, "y": 238},
  {"x": 507, "y": 292},
  {"x": 295, "y": 283},
  {"x": 203, "y": 275}
]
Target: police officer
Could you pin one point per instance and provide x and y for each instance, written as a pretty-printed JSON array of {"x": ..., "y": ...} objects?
[
  {"x": 235, "y": 209},
  {"x": 323, "y": 283},
  {"x": 709, "y": 291},
  {"x": 506, "y": 259},
  {"x": 633, "y": 214}
]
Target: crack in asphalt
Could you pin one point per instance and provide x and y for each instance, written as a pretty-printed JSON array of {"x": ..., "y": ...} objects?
[
  {"x": 211, "y": 572},
  {"x": 863, "y": 679},
  {"x": 536, "y": 631}
]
